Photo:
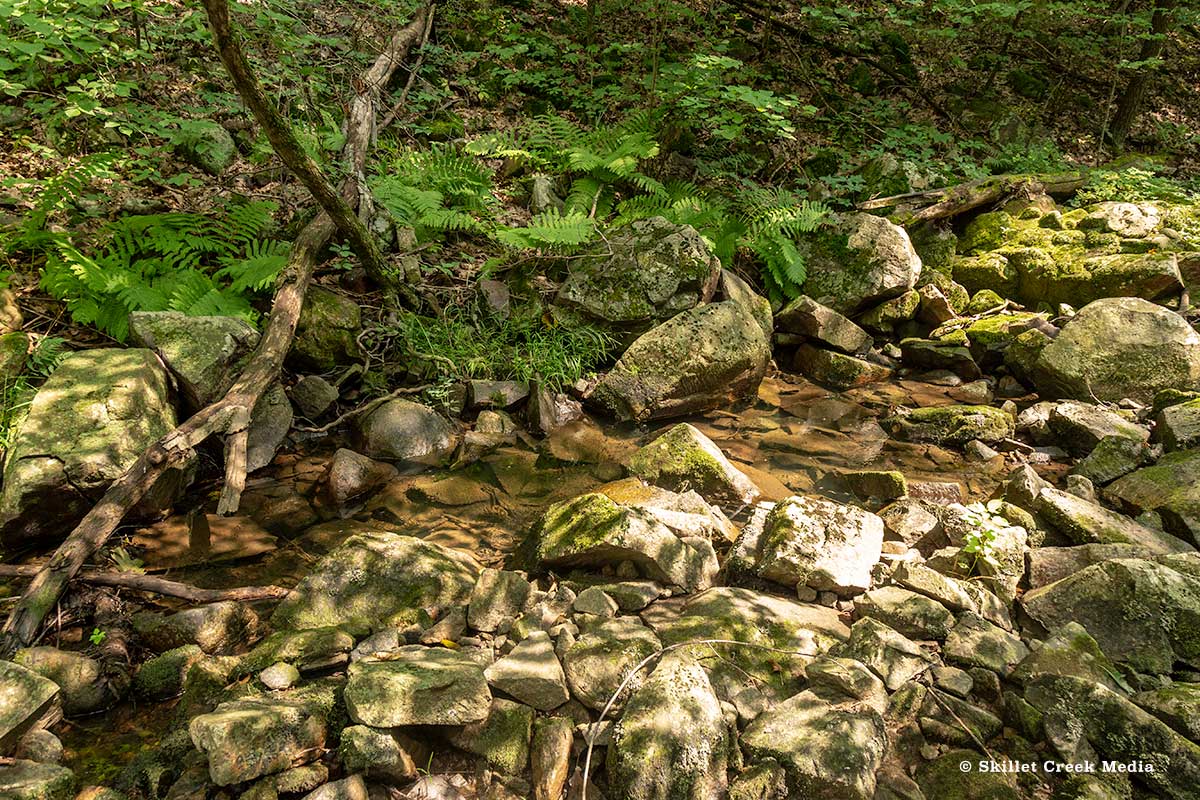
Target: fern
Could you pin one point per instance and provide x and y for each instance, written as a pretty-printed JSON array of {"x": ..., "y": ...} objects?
[
  {"x": 192, "y": 263},
  {"x": 550, "y": 230},
  {"x": 437, "y": 191}
]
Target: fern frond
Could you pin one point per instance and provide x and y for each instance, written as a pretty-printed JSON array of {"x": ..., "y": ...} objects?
[{"x": 550, "y": 230}]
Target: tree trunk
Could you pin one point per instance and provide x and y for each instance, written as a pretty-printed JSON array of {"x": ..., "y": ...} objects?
[{"x": 1134, "y": 96}]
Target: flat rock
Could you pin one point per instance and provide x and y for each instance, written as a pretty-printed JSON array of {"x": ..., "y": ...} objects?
[
  {"x": 911, "y": 614},
  {"x": 1084, "y": 522},
  {"x": 975, "y": 642},
  {"x": 531, "y": 673},
  {"x": 597, "y": 663},
  {"x": 806, "y": 317},
  {"x": 246, "y": 739},
  {"x": 29, "y": 780},
  {"x": 954, "y": 425},
  {"x": 498, "y": 596},
  {"x": 685, "y": 459},
  {"x": 895, "y": 658},
  {"x": 417, "y": 686}
]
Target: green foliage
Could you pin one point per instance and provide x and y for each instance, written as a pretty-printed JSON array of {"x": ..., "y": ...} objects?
[
  {"x": 551, "y": 230},
  {"x": 509, "y": 349},
  {"x": 16, "y": 391},
  {"x": 191, "y": 263},
  {"x": 97, "y": 636},
  {"x": 1131, "y": 185},
  {"x": 436, "y": 191},
  {"x": 985, "y": 525}
]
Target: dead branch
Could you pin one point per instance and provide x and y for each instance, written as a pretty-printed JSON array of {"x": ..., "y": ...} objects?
[
  {"x": 951, "y": 201},
  {"x": 230, "y": 414},
  {"x": 149, "y": 583}
]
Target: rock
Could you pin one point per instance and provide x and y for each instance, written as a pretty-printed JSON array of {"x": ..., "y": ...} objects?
[
  {"x": 308, "y": 650},
  {"x": 1120, "y": 731},
  {"x": 1069, "y": 650},
  {"x": 835, "y": 370},
  {"x": 378, "y": 579},
  {"x": 896, "y": 659},
  {"x": 246, "y": 739},
  {"x": 548, "y": 410},
  {"x": 946, "y": 718},
  {"x": 602, "y": 657},
  {"x": 1050, "y": 564},
  {"x": 162, "y": 677},
  {"x": 327, "y": 333},
  {"x": 351, "y": 475},
  {"x": 671, "y": 740},
  {"x": 1141, "y": 612},
  {"x": 502, "y": 739},
  {"x": 909, "y": 613},
  {"x": 1111, "y": 458},
  {"x": 1178, "y": 426},
  {"x": 955, "y": 425},
  {"x": 40, "y": 745},
  {"x": 498, "y": 596},
  {"x": 495, "y": 394},
  {"x": 975, "y": 642},
  {"x": 207, "y": 145},
  {"x": 806, "y": 317},
  {"x": 858, "y": 260},
  {"x": 948, "y": 354},
  {"x": 828, "y": 750},
  {"x": 401, "y": 430},
  {"x": 642, "y": 275},
  {"x": 417, "y": 686},
  {"x": 85, "y": 687},
  {"x": 888, "y": 315},
  {"x": 28, "y": 780},
  {"x": 911, "y": 522},
  {"x": 808, "y": 541},
  {"x": 1170, "y": 488},
  {"x": 352, "y": 788},
  {"x": 1121, "y": 347},
  {"x": 876, "y": 484},
  {"x": 703, "y": 358},
  {"x": 684, "y": 459},
  {"x": 14, "y": 352},
  {"x": 1083, "y": 522},
  {"x": 89, "y": 422},
  {"x": 531, "y": 673},
  {"x": 279, "y": 676},
  {"x": 921, "y": 579},
  {"x": 952, "y": 680},
  {"x": 944, "y": 779},
  {"x": 594, "y": 530},
  {"x": 27, "y": 701},
  {"x": 1079, "y": 427},
  {"x": 218, "y": 628},
  {"x": 593, "y": 600},
  {"x": 1178, "y": 705},
  {"x": 1129, "y": 220},
  {"x": 935, "y": 308},
  {"x": 376, "y": 753},
  {"x": 313, "y": 396},
  {"x": 550, "y": 757},
  {"x": 11, "y": 318}
]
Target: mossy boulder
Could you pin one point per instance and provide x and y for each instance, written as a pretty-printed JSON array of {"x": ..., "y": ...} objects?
[
  {"x": 417, "y": 686},
  {"x": 377, "y": 579},
  {"x": 307, "y": 650},
  {"x": 600, "y": 660},
  {"x": 806, "y": 317},
  {"x": 684, "y": 459},
  {"x": 885, "y": 317},
  {"x": 218, "y": 628},
  {"x": 1178, "y": 705},
  {"x": 909, "y": 613},
  {"x": 28, "y": 699},
  {"x": 1171, "y": 487},
  {"x": 986, "y": 232},
  {"x": 28, "y": 780},
  {"x": 640, "y": 276},
  {"x": 858, "y": 260},
  {"x": 1120, "y": 348},
  {"x": 956, "y": 425},
  {"x": 1084, "y": 522},
  {"x": 207, "y": 145},
  {"x": 810, "y": 541},
  {"x": 327, "y": 333},
  {"x": 835, "y": 370},
  {"x": 671, "y": 740},
  {"x": 944, "y": 779},
  {"x": 983, "y": 300},
  {"x": 89, "y": 422},
  {"x": 405, "y": 431},
  {"x": 705, "y": 357},
  {"x": 85, "y": 686},
  {"x": 501, "y": 739},
  {"x": 950, "y": 354},
  {"x": 162, "y": 677},
  {"x": 1178, "y": 426}
]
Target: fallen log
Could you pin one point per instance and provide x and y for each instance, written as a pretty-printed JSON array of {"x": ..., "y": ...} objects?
[
  {"x": 936, "y": 204},
  {"x": 230, "y": 415},
  {"x": 155, "y": 585}
]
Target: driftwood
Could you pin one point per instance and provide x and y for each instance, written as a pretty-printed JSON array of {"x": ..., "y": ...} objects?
[
  {"x": 229, "y": 415},
  {"x": 155, "y": 585},
  {"x": 938, "y": 204}
]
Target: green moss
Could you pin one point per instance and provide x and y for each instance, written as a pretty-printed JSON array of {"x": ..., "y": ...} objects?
[
  {"x": 994, "y": 332},
  {"x": 954, "y": 424},
  {"x": 986, "y": 232},
  {"x": 888, "y": 484},
  {"x": 576, "y": 525},
  {"x": 163, "y": 676},
  {"x": 298, "y": 648},
  {"x": 502, "y": 739},
  {"x": 983, "y": 300}
]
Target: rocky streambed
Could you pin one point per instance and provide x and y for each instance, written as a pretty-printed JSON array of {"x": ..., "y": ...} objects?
[{"x": 908, "y": 536}]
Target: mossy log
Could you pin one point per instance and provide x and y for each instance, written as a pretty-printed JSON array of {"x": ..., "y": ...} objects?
[{"x": 935, "y": 204}]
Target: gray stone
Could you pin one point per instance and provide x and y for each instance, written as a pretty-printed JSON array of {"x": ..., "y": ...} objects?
[
  {"x": 806, "y": 317},
  {"x": 351, "y": 475},
  {"x": 893, "y": 657},
  {"x": 837, "y": 371},
  {"x": 377, "y": 753},
  {"x": 1069, "y": 650},
  {"x": 246, "y": 739},
  {"x": 531, "y": 673},
  {"x": 975, "y": 642},
  {"x": 909, "y": 613},
  {"x": 86, "y": 687},
  {"x": 496, "y": 394},
  {"x": 352, "y": 788},
  {"x": 313, "y": 395},
  {"x": 808, "y": 541},
  {"x": 279, "y": 676},
  {"x": 1084, "y": 522},
  {"x": 28, "y": 780},
  {"x": 502, "y": 738},
  {"x": 40, "y": 745},
  {"x": 593, "y": 600},
  {"x": 1113, "y": 457},
  {"x": 1171, "y": 488},
  {"x": 954, "y": 425},
  {"x": 858, "y": 260},
  {"x": 327, "y": 333},
  {"x": 1050, "y": 564},
  {"x": 498, "y": 596},
  {"x": 1178, "y": 705},
  {"x": 952, "y": 680},
  {"x": 684, "y": 459},
  {"x": 602, "y": 657},
  {"x": 1178, "y": 426},
  {"x": 401, "y": 430},
  {"x": 27, "y": 701},
  {"x": 417, "y": 686},
  {"x": 1079, "y": 427},
  {"x": 218, "y": 628},
  {"x": 944, "y": 354}
]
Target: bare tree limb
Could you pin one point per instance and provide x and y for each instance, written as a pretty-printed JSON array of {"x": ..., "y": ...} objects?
[
  {"x": 951, "y": 201},
  {"x": 231, "y": 413},
  {"x": 155, "y": 585}
]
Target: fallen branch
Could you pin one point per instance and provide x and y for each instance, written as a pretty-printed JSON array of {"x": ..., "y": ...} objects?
[
  {"x": 365, "y": 407},
  {"x": 953, "y": 200},
  {"x": 149, "y": 583},
  {"x": 228, "y": 415}
]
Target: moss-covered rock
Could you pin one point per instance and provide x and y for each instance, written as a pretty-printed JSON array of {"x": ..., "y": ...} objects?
[
  {"x": 327, "y": 333},
  {"x": 809, "y": 541},
  {"x": 375, "y": 752},
  {"x": 417, "y": 686},
  {"x": 1171, "y": 487},
  {"x": 246, "y": 739},
  {"x": 836, "y": 370},
  {"x": 934, "y": 354},
  {"x": 29, "y": 780},
  {"x": 953, "y": 424},
  {"x": 1178, "y": 705},
  {"x": 162, "y": 676},
  {"x": 685, "y": 459},
  {"x": 983, "y": 300},
  {"x": 858, "y": 260},
  {"x": 944, "y": 779},
  {"x": 986, "y": 232},
  {"x": 502, "y": 739},
  {"x": 308, "y": 650},
  {"x": 909, "y": 613},
  {"x": 207, "y": 145},
  {"x": 885, "y": 317},
  {"x": 806, "y": 317},
  {"x": 600, "y": 660}
]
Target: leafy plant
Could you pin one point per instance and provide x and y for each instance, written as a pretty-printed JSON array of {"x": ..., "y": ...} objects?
[
  {"x": 1131, "y": 185},
  {"x": 984, "y": 526},
  {"x": 436, "y": 191},
  {"x": 97, "y": 636}
]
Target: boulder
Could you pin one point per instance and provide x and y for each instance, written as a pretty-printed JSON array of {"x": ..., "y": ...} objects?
[
  {"x": 256, "y": 736},
  {"x": 417, "y": 686},
  {"x": 327, "y": 333},
  {"x": 498, "y": 596},
  {"x": 401, "y": 430},
  {"x": 806, "y": 317},
  {"x": 895, "y": 658},
  {"x": 954, "y": 425},
  {"x": 640, "y": 276},
  {"x": 949, "y": 354},
  {"x": 89, "y": 422},
  {"x": 377, "y": 579},
  {"x": 501, "y": 739},
  {"x": 809, "y": 541},
  {"x": 975, "y": 642},
  {"x": 1120, "y": 732},
  {"x": 1128, "y": 220},
  {"x": 379, "y": 754},
  {"x": 28, "y": 780},
  {"x": 1178, "y": 705},
  {"x": 829, "y": 750},
  {"x": 671, "y": 740},
  {"x": 1050, "y": 564},
  {"x": 909, "y": 613},
  {"x": 1178, "y": 426},
  {"x": 1144, "y": 613},
  {"x": 886, "y": 317},
  {"x": 1117, "y": 348},
  {"x": 858, "y": 260},
  {"x": 1111, "y": 458},
  {"x": 218, "y": 628},
  {"x": 943, "y": 778},
  {"x": 1171, "y": 488},
  {"x": 684, "y": 459},
  {"x": 703, "y": 358},
  {"x": 594, "y": 530},
  {"x": 313, "y": 395},
  {"x": 1079, "y": 427},
  {"x": 550, "y": 756},
  {"x": 351, "y": 475},
  {"x": 1084, "y": 522},
  {"x": 207, "y": 145},
  {"x": 531, "y": 673},
  {"x": 1069, "y": 650},
  {"x": 27, "y": 701},
  {"x": 836, "y": 370},
  {"x": 599, "y": 661},
  {"x": 85, "y": 687}
]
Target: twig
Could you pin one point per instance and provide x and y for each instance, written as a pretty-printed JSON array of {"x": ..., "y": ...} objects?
[
  {"x": 363, "y": 409},
  {"x": 150, "y": 583}
]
